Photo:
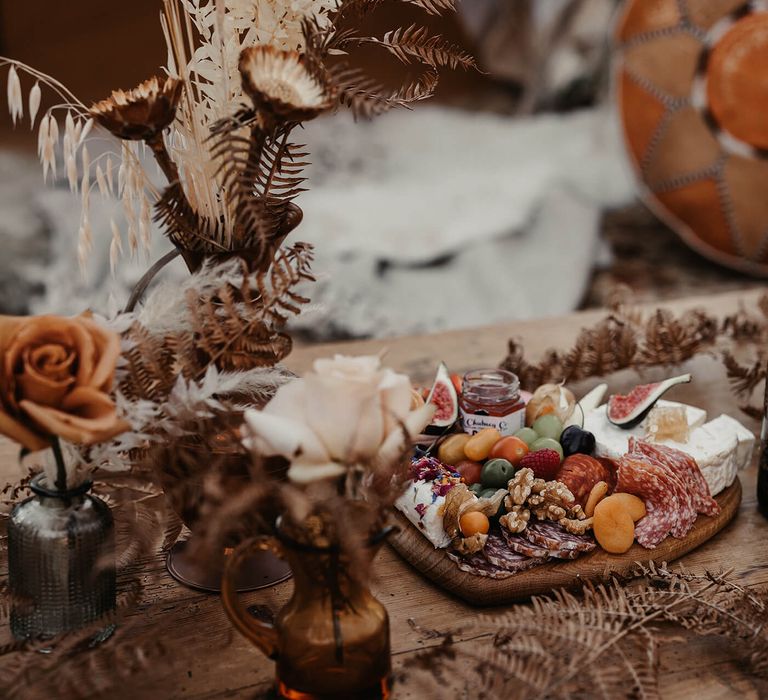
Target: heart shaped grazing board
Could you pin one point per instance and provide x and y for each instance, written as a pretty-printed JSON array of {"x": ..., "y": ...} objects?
[{"x": 435, "y": 564}]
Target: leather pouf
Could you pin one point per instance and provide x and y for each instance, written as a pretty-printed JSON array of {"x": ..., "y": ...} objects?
[{"x": 692, "y": 87}]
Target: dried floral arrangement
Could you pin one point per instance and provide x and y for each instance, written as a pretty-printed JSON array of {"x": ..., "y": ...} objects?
[
  {"x": 330, "y": 457},
  {"x": 629, "y": 339},
  {"x": 241, "y": 77},
  {"x": 603, "y": 643}
]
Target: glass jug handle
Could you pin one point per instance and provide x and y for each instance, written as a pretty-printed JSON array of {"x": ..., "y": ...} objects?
[{"x": 262, "y": 634}]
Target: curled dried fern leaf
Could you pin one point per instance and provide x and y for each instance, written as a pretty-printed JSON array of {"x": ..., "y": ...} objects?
[
  {"x": 416, "y": 43},
  {"x": 601, "y": 643}
]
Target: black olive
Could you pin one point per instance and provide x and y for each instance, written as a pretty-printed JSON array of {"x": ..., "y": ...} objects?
[{"x": 577, "y": 441}]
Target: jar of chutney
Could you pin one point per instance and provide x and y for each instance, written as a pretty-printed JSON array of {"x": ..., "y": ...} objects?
[{"x": 490, "y": 398}]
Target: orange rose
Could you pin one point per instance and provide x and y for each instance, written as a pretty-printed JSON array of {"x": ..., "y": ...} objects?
[{"x": 55, "y": 375}]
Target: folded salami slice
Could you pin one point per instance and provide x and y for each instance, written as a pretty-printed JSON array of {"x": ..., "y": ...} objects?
[
  {"x": 520, "y": 544},
  {"x": 686, "y": 510},
  {"x": 499, "y": 554},
  {"x": 478, "y": 565},
  {"x": 651, "y": 483},
  {"x": 557, "y": 540},
  {"x": 687, "y": 469}
]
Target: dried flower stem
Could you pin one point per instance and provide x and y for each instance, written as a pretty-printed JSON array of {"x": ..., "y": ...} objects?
[{"x": 61, "y": 468}]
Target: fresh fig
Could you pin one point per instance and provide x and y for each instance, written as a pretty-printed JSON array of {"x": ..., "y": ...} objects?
[
  {"x": 627, "y": 411},
  {"x": 443, "y": 395}
]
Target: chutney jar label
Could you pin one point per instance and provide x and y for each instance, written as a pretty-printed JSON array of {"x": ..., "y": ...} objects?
[{"x": 506, "y": 425}]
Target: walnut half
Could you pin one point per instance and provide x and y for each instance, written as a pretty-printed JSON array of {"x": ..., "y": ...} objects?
[
  {"x": 516, "y": 520},
  {"x": 519, "y": 487},
  {"x": 577, "y": 527}
]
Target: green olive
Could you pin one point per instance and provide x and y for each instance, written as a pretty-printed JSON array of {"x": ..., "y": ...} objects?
[
  {"x": 477, "y": 489},
  {"x": 497, "y": 473}
]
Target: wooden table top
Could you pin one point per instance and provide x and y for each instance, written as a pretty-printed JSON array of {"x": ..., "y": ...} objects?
[{"x": 219, "y": 663}]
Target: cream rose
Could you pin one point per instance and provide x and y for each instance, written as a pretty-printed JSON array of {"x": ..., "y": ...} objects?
[
  {"x": 55, "y": 375},
  {"x": 347, "y": 410}
]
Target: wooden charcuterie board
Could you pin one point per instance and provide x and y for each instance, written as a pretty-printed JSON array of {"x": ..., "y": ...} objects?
[{"x": 433, "y": 563}]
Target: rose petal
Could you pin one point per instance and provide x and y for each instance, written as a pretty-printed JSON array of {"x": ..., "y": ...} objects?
[
  {"x": 18, "y": 432},
  {"x": 50, "y": 360},
  {"x": 395, "y": 392},
  {"x": 288, "y": 400},
  {"x": 345, "y": 415},
  {"x": 395, "y": 443},
  {"x": 284, "y": 436},
  {"x": 361, "y": 368},
  {"x": 107, "y": 345},
  {"x": 304, "y": 473},
  {"x": 38, "y": 387},
  {"x": 86, "y": 416}
]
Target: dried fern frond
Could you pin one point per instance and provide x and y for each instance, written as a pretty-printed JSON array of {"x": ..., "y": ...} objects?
[
  {"x": 416, "y": 43},
  {"x": 602, "y": 643},
  {"x": 627, "y": 339},
  {"x": 434, "y": 7},
  {"x": 366, "y": 98},
  {"x": 745, "y": 378}
]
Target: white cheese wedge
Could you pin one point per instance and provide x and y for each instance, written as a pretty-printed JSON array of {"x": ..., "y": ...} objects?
[
  {"x": 612, "y": 441},
  {"x": 746, "y": 438},
  {"x": 714, "y": 450},
  {"x": 431, "y": 523},
  {"x": 720, "y": 447}
]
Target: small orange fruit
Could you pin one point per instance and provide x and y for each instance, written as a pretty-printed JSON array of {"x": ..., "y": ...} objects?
[{"x": 473, "y": 522}]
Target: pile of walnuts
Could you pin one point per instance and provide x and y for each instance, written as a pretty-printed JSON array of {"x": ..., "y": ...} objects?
[{"x": 547, "y": 500}]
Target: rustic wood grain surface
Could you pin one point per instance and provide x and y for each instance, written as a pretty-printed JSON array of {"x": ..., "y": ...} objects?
[{"x": 217, "y": 663}]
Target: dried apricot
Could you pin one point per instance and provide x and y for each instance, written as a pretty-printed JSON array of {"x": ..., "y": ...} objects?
[
  {"x": 597, "y": 494},
  {"x": 633, "y": 505},
  {"x": 613, "y": 526},
  {"x": 451, "y": 450},
  {"x": 479, "y": 446},
  {"x": 473, "y": 522}
]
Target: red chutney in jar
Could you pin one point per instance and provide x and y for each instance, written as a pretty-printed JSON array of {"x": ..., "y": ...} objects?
[{"x": 490, "y": 398}]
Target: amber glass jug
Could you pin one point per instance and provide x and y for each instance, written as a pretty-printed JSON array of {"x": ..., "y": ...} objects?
[{"x": 331, "y": 640}]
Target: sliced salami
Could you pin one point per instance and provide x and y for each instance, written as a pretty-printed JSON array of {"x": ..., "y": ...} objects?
[
  {"x": 478, "y": 565},
  {"x": 580, "y": 473},
  {"x": 651, "y": 483},
  {"x": 498, "y": 553},
  {"x": 679, "y": 482},
  {"x": 557, "y": 540},
  {"x": 687, "y": 469},
  {"x": 686, "y": 511},
  {"x": 518, "y": 543}
]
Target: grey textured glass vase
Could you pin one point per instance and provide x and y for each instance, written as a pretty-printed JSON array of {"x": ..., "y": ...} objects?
[{"x": 60, "y": 561}]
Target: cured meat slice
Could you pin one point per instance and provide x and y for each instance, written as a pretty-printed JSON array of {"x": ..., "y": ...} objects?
[
  {"x": 686, "y": 510},
  {"x": 518, "y": 543},
  {"x": 580, "y": 473},
  {"x": 653, "y": 484},
  {"x": 611, "y": 468},
  {"x": 557, "y": 540},
  {"x": 687, "y": 468},
  {"x": 478, "y": 565},
  {"x": 498, "y": 553}
]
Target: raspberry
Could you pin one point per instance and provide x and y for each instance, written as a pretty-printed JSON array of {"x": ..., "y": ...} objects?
[{"x": 544, "y": 463}]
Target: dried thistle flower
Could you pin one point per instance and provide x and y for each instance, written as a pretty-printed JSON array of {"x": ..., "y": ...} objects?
[
  {"x": 141, "y": 113},
  {"x": 281, "y": 84}
]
